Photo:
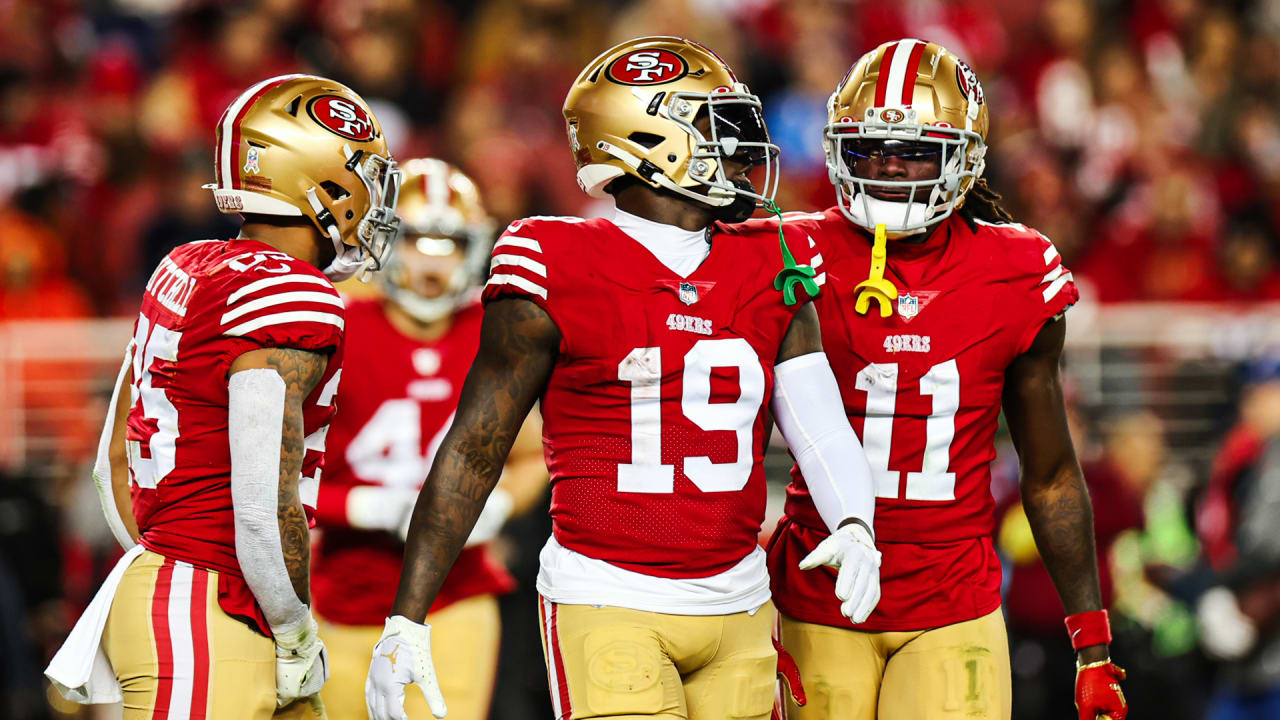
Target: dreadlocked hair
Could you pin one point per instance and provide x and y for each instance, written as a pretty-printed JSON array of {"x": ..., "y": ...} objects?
[{"x": 983, "y": 203}]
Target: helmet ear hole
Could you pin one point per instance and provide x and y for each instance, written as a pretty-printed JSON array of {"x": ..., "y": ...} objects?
[
  {"x": 646, "y": 140},
  {"x": 334, "y": 190}
]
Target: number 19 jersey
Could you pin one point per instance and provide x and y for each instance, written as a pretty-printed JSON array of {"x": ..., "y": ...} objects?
[
  {"x": 206, "y": 304},
  {"x": 922, "y": 388},
  {"x": 654, "y": 414}
]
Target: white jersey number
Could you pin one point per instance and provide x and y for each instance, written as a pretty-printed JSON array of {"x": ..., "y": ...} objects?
[
  {"x": 153, "y": 343},
  {"x": 388, "y": 449},
  {"x": 934, "y": 481},
  {"x": 642, "y": 367}
]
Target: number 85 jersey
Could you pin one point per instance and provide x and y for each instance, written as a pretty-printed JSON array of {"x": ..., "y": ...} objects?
[
  {"x": 922, "y": 388},
  {"x": 206, "y": 304},
  {"x": 654, "y": 415}
]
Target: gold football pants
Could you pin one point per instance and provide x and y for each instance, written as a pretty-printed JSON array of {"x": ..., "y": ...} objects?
[
  {"x": 178, "y": 656},
  {"x": 464, "y": 648},
  {"x": 947, "y": 673},
  {"x": 623, "y": 664}
]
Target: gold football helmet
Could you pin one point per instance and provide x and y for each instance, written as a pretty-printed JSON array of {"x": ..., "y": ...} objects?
[
  {"x": 310, "y": 146},
  {"x": 914, "y": 99},
  {"x": 441, "y": 215},
  {"x": 634, "y": 110}
]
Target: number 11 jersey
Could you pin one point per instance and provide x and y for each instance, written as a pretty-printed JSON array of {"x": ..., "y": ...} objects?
[
  {"x": 654, "y": 416},
  {"x": 922, "y": 388}
]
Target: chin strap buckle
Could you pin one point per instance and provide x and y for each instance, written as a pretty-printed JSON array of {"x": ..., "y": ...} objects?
[{"x": 876, "y": 287}]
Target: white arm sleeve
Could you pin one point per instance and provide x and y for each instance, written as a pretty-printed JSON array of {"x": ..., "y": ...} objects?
[
  {"x": 102, "y": 463},
  {"x": 806, "y": 406},
  {"x": 255, "y": 421}
]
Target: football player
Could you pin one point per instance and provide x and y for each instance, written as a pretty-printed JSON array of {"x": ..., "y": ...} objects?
[
  {"x": 939, "y": 310},
  {"x": 215, "y": 441},
  {"x": 407, "y": 355},
  {"x": 655, "y": 340}
]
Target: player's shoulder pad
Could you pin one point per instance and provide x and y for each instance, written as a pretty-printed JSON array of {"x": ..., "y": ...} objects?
[
  {"x": 262, "y": 289},
  {"x": 1024, "y": 254},
  {"x": 518, "y": 266}
]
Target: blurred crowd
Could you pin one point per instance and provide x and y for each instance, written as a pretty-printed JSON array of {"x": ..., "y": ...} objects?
[{"x": 1142, "y": 136}]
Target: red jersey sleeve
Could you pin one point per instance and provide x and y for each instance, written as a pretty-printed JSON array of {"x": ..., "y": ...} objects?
[
  {"x": 1041, "y": 287},
  {"x": 518, "y": 265},
  {"x": 284, "y": 303}
]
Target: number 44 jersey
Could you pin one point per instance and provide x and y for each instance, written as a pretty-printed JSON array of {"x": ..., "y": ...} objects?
[
  {"x": 654, "y": 415},
  {"x": 922, "y": 388},
  {"x": 205, "y": 305}
]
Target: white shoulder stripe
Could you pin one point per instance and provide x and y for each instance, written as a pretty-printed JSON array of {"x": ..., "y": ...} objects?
[
  {"x": 520, "y": 242},
  {"x": 518, "y": 261},
  {"x": 820, "y": 279},
  {"x": 285, "y": 317},
  {"x": 816, "y": 260},
  {"x": 1053, "y": 274},
  {"x": 520, "y": 282},
  {"x": 1056, "y": 286},
  {"x": 280, "y": 299},
  {"x": 254, "y": 287},
  {"x": 1050, "y": 253}
]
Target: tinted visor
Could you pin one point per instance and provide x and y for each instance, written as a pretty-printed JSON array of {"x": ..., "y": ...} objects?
[
  {"x": 741, "y": 121},
  {"x": 906, "y": 150}
]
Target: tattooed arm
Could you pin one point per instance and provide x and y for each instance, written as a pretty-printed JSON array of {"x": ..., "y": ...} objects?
[
  {"x": 1054, "y": 495},
  {"x": 519, "y": 344},
  {"x": 267, "y": 388}
]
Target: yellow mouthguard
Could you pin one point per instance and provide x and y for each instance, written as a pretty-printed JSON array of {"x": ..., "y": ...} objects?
[{"x": 875, "y": 287}]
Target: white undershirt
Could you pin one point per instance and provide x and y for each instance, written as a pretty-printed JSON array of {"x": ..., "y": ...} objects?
[{"x": 682, "y": 251}]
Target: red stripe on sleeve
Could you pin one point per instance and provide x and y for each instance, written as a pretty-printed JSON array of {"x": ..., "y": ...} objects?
[
  {"x": 200, "y": 643},
  {"x": 913, "y": 71},
  {"x": 882, "y": 75},
  {"x": 164, "y": 645}
]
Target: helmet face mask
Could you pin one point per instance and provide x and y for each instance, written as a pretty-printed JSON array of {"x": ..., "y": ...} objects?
[
  {"x": 735, "y": 131},
  {"x": 910, "y": 100},
  {"x": 444, "y": 240},
  {"x": 669, "y": 112}
]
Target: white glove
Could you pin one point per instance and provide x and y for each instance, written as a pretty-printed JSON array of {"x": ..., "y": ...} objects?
[
  {"x": 374, "y": 507},
  {"x": 1225, "y": 632},
  {"x": 302, "y": 663},
  {"x": 402, "y": 656},
  {"x": 492, "y": 517},
  {"x": 851, "y": 549}
]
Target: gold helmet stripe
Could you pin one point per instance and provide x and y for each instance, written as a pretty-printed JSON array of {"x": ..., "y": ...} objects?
[
  {"x": 896, "y": 84},
  {"x": 228, "y": 162}
]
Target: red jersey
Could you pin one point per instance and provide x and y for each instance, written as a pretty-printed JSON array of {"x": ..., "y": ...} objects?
[
  {"x": 206, "y": 304},
  {"x": 922, "y": 388},
  {"x": 653, "y": 419},
  {"x": 398, "y": 399}
]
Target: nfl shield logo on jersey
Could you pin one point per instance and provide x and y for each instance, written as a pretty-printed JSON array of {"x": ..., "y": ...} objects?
[
  {"x": 908, "y": 306},
  {"x": 688, "y": 293}
]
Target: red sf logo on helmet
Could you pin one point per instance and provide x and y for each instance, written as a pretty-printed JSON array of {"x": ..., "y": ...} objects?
[
  {"x": 341, "y": 117},
  {"x": 647, "y": 67},
  {"x": 967, "y": 79}
]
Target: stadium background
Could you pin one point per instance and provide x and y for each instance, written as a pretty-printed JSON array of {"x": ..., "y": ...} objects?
[{"x": 1142, "y": 136}]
